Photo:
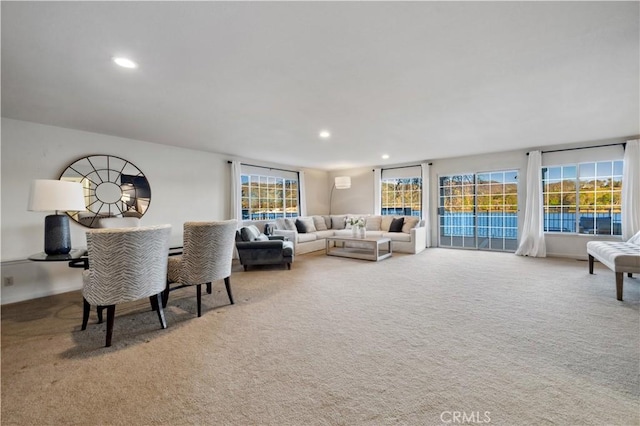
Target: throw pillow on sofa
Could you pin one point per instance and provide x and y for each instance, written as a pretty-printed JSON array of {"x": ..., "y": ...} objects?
[
  {"x": 289, "y": 224},
  {"x": 319, "y": 223},
  {"x": 396, "y": 224},
  {"x": 410, "y": 222},
  {"x": 338, "y": 221},
  {"x": 285, "y": 223},
  {"x": 327, "y": 221},
  {"x": 385, "y": 222},
  {"x": 249, "y": 233},
  {"x": 373, "y": 223},
  {"x": 305, "y": 225}
]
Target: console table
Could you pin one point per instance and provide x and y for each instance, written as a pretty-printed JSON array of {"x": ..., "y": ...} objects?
[
  {"x": 359, "y": 248},
  {"x": 77, "y": 258}
]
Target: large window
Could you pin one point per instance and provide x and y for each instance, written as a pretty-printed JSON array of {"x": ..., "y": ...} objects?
[
  {"x": 583, "y": 198},
  {"x": 401, "y": 191},
  {"x": 268, "y": 195},
  {"x": 402, "y": 196},
  {"x": 479, "y": 210}
]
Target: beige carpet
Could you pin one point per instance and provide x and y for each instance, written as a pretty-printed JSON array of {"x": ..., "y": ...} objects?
[{"x": 410, "y": 340}]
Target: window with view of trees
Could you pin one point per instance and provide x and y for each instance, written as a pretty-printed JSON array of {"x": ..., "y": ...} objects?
[
  {"x": 583, "y": 198},
  {"x": 479, "y": 210},
  {"x": 402, "y": 196},
  {"x": 268, "y": 197}
]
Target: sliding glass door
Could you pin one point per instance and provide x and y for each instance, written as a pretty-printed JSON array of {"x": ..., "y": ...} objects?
[
  {"x": 457, "y": 211},
  {"x": 479, "y": 210}
]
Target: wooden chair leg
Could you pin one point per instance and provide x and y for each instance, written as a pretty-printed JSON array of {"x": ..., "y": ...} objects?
[
  {"x": 99, "y": 309},
  {"x": 591, "y": 264},
  {"x": 208, "y": 288},
  {"x": 199, "y": 298},
  {"x": 227, "y": 284},
  {"x": 288, "y": 266},
  {"x": 86, "y": 308},
  {"x": 111, "y": 313},
  {"x": 158, "y": 299},
  {"x": 619, "y": 278}
]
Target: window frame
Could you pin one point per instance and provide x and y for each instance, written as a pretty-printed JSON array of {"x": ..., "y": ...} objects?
[
  {"x": 405, "y": 181},
  {"x": 581, "y": 186},
  {"x": 274, "y": 197}
]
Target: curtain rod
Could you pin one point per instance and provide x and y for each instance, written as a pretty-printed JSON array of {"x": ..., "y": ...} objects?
[
  {"x": 402, "y": 167},
  {"x": 269, "y": 168},
  {"x": 624, "y": 145}
]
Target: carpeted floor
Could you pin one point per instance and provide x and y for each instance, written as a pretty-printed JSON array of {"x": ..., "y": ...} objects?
[{"x": 441, "y": 337}]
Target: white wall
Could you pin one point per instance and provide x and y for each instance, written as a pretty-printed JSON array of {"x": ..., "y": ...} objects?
[
  {"x": 358, "y": 198},
  {"x": 317, "y": 193},
  {"x": 185, "y": 185}
]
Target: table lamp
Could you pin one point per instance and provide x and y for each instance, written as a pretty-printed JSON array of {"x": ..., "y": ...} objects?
[{"x": 58, "y": 196}]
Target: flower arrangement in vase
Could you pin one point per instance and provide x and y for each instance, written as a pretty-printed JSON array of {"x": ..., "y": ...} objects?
[{"x": 357, "y": 226}]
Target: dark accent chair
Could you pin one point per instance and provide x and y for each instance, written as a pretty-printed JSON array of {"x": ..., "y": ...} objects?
[{"x": 255, "y": 248}]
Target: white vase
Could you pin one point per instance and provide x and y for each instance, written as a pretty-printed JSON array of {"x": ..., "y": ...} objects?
[
  {"x": 362, "y": 232},
  {"x": 354, "y": 232}
]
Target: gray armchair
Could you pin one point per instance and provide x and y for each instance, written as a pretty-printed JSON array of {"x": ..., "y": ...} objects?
[
  {"x": 255, "y": 248},
  {"x": 125, "y": 264},
  {"x": 206, "y": 257}
]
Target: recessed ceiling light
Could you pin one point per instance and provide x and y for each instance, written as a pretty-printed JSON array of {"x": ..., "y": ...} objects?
[
  {"x": 125, "y": 62},
  {"x": 385, "y": 156},
  {"x": 325, "y": 134}
]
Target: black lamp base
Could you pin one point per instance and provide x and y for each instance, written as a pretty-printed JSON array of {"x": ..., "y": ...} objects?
[{"x": 57, "y": 238}]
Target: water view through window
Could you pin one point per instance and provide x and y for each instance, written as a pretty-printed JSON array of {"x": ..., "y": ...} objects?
[
  {"x": 479, "y": 210},
  {"x": 268, "y": 197},
  {"x": 583, "y": 198},
  {"x": 402, "y": 196}
]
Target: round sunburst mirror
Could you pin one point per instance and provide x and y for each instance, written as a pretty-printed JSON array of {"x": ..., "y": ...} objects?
[{"x": 113, "y": 187}]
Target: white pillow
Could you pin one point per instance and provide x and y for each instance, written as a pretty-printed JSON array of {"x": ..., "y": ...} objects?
[
  {"x": 319, "y": 223},
  {"x": 385, "y": 223},
  {"x": 290, "y": 225},
  {"x": 338, "y": 221},
  {"x": 373, "y": 223},
  {"x": 410, "y": 222}
]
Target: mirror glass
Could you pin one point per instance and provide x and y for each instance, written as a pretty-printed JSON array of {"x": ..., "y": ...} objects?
[{"x": 113, "y": 187}]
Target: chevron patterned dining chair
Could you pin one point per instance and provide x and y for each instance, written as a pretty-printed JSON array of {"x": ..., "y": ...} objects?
[
  {"x": 125, "y": 264},
  {"x": 207, "y": 256}
]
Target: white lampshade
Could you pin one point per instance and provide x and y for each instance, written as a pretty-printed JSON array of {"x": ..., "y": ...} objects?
[
  {"x": 55, "y": 195},
  {"x": 343, "y": 182}
]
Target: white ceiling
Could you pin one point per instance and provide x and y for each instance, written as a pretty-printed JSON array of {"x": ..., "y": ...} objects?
[{"x": 415, "y": 80}]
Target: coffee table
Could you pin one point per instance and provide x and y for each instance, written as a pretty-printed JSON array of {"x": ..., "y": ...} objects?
[{"x": 372, "y": 248}]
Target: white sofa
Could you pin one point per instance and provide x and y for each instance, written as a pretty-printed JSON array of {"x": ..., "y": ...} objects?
[
  {"x": 620, "y": 257},
  {"x": 412, "y": 239}
]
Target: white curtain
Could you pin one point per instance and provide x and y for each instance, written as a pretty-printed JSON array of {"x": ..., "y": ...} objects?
[
  {"x": 631, "y": 190},
  {"x": 532, "y": 239},
  {"x": 303, "y": 193},
  {"x": 426, "y": 186},
  {"x": 235, "y": 204},
  {"x": 377, "y": 191}
]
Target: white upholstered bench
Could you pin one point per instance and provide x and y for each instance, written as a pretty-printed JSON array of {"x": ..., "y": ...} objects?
[{"x": 620, "y": 257}]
